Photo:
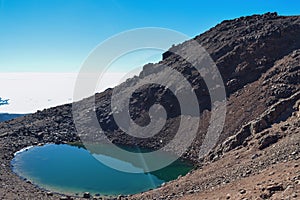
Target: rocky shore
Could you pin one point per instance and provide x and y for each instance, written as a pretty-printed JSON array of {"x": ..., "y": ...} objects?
[{"x": 258, "y": 152}]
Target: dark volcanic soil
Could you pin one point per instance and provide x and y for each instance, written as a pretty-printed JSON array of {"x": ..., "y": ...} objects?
[{"x": 257, "y": 154}]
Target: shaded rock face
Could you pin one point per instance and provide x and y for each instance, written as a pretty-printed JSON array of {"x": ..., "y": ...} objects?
[
  {"x": 258, "y": 60},
  {"x": 268, "y": 141},
  {"x": 281, "y": 110},
  {"x": 246, "y": 47},
  {"x": 257, "y": 57}
]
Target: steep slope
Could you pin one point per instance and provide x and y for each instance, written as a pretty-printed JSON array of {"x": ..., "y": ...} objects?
[
  {"x": 249, "y": 172},
  {"x": 257, "y": 163},
  {"x": 258, "y": 57}
]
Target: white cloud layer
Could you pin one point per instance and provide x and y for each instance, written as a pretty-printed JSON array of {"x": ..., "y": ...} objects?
[{"x": 29, "y": 92}]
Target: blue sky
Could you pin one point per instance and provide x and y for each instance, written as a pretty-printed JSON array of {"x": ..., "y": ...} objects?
[{"x": 57, "y": 35}]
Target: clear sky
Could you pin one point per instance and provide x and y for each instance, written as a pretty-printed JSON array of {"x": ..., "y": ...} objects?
[{"x": 57, "y": 35}]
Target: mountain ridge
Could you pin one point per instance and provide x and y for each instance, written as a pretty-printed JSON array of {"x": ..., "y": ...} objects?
[{"x": 258, "y": 57}]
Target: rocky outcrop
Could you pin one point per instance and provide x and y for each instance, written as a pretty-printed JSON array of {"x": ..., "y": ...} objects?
[
  {"x": 276, "y": 113},
  {"x": 268, "y": 140}
]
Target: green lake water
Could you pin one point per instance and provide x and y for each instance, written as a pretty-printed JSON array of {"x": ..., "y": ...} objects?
[{"x": 73, "y": 170}]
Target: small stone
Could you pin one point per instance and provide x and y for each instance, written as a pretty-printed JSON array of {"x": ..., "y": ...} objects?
[
  {"x": 265, "y": 195},
  {"x": 254, "y": 156},
  {"x": 40, "y": 135},
  {"x": 242, "y": 191},
  {"x": 283, "y": 128},
  {"x": 226, "y": 181},
  {"x": 86, "y": 195},
  {"x": 274, "y": 188},
  {"x": 271, "y": 173},
  {"x": 190, "y": 192},
  {"x": 228, "y": 196},
  {"x": 294, "y": 195},
  {"x": 49, "y": 193}
]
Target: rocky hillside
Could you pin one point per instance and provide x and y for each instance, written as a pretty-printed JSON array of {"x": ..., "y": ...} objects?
[
  {"x": 258, "y": 58},
  {"x": 244, "y": 50}
]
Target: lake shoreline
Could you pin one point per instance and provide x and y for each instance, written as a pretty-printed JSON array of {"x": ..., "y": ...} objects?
[
  {"x": 79, "y": 160},
  {"x": 10, "y": 143}
]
